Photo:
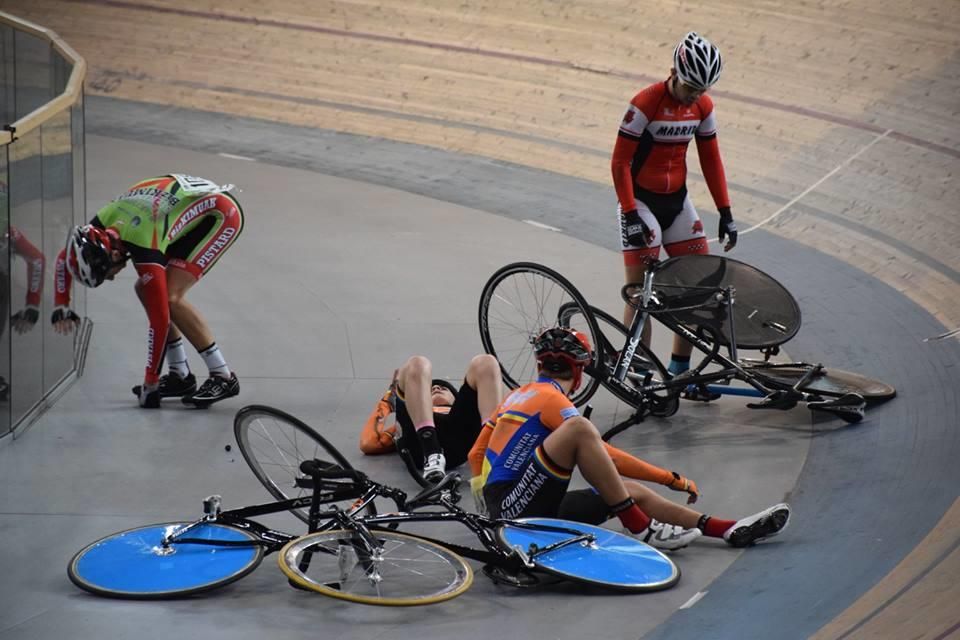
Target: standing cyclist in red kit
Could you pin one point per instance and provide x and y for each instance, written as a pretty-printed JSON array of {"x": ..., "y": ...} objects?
[
  {"x": 174, "y": 228},
  {"x": 650, "y": 170}
]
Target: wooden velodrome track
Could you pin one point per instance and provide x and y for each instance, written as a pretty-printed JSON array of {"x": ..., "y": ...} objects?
[{"x": 838, "y": 126}]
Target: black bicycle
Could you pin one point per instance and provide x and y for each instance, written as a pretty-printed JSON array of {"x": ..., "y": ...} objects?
[
  {"x": 714, "y": 302},
  {"x": 352, "y": 552}
]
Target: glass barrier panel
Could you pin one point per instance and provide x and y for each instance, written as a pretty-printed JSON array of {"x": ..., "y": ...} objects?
[
  {"x": 78, "y": 140},
  {"x": 32, "y": 56},
  {"x": 8, "y": 94},
  {"x": 27, "y": 266},
  {"x": 5, "y": 422},
  {"x": 57, "y": 220}
]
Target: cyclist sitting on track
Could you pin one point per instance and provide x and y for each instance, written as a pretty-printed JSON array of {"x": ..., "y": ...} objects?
[
  {"x": 438, "y": 423},
  {"x": 174, "y": 228},
  {"x": 525, "y": 458},
  {"x": 650, "y": 171}
]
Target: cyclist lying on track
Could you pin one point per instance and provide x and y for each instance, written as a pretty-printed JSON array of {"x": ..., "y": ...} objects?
[
  {"x": 530, "y": 446},
  {"x": 174, "y": 228},
  {"x": 438, "y": 424}
]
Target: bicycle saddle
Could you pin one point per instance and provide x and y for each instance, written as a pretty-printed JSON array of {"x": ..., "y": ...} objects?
[{"x": 850, "y": 407}]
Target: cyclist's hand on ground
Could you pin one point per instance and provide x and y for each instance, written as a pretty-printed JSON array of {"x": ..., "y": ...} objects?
[
  {"x": 149, "y": 396},
  {"x": 728, "y": 228},
  {"x": 64, "y": 320},
  {"x": 476, "y": 488},
  {"x": 679, "y": 483},
  {"x": 24, "y": 320},
  {"x": 637, "y": 231}
]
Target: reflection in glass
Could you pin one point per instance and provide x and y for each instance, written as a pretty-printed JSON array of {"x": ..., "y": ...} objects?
[
  {"x": 26, "y": 218},
  {"x": 4, "y": 298}
]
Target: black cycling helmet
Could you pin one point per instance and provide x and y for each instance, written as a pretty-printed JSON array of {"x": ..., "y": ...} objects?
[
  {"x": 558, "y": 349},
  {"x": 438, "y": 382}
]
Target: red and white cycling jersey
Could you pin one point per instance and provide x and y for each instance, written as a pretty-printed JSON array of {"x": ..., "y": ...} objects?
[{"x": 651, "y": 148}]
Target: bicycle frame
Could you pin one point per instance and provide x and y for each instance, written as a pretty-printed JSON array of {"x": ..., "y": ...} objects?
[
  {"x": 365, "y": 491},
  {"x": 648, "y": 305}
]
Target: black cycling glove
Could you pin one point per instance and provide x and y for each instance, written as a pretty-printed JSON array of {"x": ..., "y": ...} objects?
[
  {"x": 28, "y": 315},
  {"x": 728, "y": 228},
  {"x": 64, "y": 313},
  {"x": 636, "y": 230}
]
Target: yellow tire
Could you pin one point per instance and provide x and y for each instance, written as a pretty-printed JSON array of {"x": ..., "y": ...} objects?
[{"x": 403, "y": 571}]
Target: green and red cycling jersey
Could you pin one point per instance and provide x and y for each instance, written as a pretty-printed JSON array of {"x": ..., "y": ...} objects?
[{"x": 173, "y": 220}]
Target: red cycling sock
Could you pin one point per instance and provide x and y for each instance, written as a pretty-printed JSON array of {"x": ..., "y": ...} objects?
[
  {"x": 633, "y": 518},
  {"x": 715, "y": 527}
]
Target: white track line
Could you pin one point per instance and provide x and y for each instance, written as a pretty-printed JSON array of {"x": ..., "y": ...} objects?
[
  {"x": 234, "y": 157},
  {"x": 542, "y": 226},
  {"x": 694, "y": 600},
  {"x": 818, "y": 182}
]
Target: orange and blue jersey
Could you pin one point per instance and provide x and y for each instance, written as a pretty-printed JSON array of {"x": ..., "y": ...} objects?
[{"x": 521, "y": 423}]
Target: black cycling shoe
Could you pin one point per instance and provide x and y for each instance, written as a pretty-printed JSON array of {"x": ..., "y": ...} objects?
[
  {"x": 173, "y": 386},
  {"x": 214, "y": 389}
]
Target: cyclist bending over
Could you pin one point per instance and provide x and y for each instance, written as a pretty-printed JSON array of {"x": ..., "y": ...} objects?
[
  {"x": 650, "y": 171},
  {"x": 527, "y": 452},
  {"x": 438, "y": 423},
  {"x": 174, "y": 228}
]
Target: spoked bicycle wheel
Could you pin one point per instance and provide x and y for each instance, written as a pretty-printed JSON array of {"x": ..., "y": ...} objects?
[
  {"x": 274, "y": 443},
  {"x": 518, "y": 303},
  {"x": 613, "y": 561},
  {"x": 646, "y": 367},
  {"x": 828, "y": 382},
  {"x": 406, "y": 570},
  {"x": 133, "y": 564}
]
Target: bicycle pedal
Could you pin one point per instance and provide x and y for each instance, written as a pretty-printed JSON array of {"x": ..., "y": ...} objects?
[{"x": 776, "y": 400}]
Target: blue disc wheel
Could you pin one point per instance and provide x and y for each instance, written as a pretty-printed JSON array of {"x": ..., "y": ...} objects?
[
  {"x": 612, "y": 560},
  {"x": 133, "y": 563}
]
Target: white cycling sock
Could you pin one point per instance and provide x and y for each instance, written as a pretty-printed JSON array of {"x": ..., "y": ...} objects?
[
  {"x": 177, "y": 358},
  {"x": 215, "y": 362}
]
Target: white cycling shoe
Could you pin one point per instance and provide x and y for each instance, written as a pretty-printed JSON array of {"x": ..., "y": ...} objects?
[
  {"x": 667, "y": 536},
  {"x": 434, "y": 468},
  {"x": 765, "y": 524}
]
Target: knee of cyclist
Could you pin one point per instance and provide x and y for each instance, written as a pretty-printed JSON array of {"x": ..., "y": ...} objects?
[
  {"x": 581, "y": 427},
  {"x": 419, "y": 366},
  {"x": 174, "y": 298},
  {"x": 485, "y": 367}
]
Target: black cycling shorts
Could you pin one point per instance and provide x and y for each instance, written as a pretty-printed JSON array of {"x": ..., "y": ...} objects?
[
  {"x": 537, "y": 492},
  {"x": 458, "y": 429},
  {"x": 665, "y": 207}
]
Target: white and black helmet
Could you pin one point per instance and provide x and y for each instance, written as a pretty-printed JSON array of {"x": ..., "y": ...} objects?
[
  {"x": 697, "y": 61},
  {"x": 88, "y": 255}
]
